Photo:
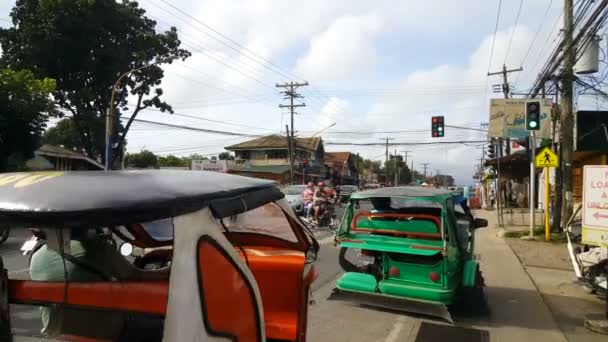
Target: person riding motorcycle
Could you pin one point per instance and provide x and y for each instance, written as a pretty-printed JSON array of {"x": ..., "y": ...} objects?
[
  {"x": 319, "y": 200},
  {"x": 307, "y": 197}
]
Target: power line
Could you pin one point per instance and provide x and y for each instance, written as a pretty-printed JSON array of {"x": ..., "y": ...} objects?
[
  {"x": 542, "y": 22},
  {"x": 189, "y": 128},
  {"x": 405, "y": 143},
  {"x": 485, "y": 92},
  {"x": 521, "y": 3},
  {"x": 494, "y": 38},
  {"x": 243, "y": 48},
  {"x": 208, "y": 120}
]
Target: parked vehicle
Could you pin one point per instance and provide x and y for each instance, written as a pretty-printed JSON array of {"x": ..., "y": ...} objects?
[
  {"x": 590, "y": 263},
  {"x": 414, "y": 251},
  {"x": 293, "y": 195},
  {"x": 241, "y": 263}
]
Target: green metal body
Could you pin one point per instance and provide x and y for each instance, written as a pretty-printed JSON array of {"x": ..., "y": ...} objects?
[{"x": 429, "y": 270}]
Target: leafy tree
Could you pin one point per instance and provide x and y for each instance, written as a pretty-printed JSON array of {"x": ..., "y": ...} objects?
[
  {"x": 65, "y": 134},
  {"x": 443, "y": 180},
  {"x": 25, "y": 107},
  {"x": 395, "y": 165},
  {"x": 173, "y": 161},
  {"x": 86, "y": 45},
  {"x": 225, "y": 156},
  {"x": 142, "y": 160}
]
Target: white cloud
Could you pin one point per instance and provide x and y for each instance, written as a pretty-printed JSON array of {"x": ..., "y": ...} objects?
[{"x": 347, "y": 45}]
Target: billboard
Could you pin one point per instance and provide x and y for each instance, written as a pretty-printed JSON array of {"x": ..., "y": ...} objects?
[
  {"x": 212, "y": 165},
  {"x": 507, "y": 119}
]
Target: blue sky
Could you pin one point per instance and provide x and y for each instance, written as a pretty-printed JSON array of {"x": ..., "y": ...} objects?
[{"x": 372, "y": 66}]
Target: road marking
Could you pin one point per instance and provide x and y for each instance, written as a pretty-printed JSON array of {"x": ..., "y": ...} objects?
[
  {"x": 394, "y": 333},
  {"x": 18, "y": 271},
  {"x": 326, "y": 240}
]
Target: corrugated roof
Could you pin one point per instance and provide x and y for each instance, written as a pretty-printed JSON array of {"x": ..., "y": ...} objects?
[
  {"x": 336, "y": 158},
  {"x": 57, "y": 151},
  {"x": 276, "y": 141}
]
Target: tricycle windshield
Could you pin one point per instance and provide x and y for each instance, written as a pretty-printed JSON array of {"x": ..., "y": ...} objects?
[{"x": 268, "y": 219}]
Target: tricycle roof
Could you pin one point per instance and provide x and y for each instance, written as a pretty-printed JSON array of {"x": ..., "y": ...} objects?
[
  {"x": 403, "y": 191},
  {"x": 119, "y": 197}
]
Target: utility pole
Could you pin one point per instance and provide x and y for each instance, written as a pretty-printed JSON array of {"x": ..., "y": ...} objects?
[
  {"x": 425, "y": 165},
  {"x": 413, "y": 172},
  {"x": 405, "y": 159},
  {"x": 387, "y": 139},
  {"x": 405, "y": 163},
  {"x": 291, "y": 94},
  {"x": 567, "y": 119},
  {"x": 506, "y": 90},
  {"x": 396, "y": 170}
]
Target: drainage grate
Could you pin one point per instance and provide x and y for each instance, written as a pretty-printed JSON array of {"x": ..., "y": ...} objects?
[{"x": 430, "y": 332}]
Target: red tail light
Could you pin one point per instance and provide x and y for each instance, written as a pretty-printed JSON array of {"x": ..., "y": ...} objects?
[
  {"x": 367, "y": 252},
  {"x": 434, "y": 277},
  {"x": 393, "y": 271}
]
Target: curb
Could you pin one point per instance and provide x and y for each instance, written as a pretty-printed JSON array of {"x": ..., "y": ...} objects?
[{"x": 542, "y": 297}]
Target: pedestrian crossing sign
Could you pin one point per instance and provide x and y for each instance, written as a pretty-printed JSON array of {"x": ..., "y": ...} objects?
[{"x": 546, "y": 158}]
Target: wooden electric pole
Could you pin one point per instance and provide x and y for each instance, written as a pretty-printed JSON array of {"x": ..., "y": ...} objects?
[
  {"x": 291, "y": 94},
  {"x": 567, "y": 116}
]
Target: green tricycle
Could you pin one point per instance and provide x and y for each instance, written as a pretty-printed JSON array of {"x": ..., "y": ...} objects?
[{"x": 415, "y": 251}]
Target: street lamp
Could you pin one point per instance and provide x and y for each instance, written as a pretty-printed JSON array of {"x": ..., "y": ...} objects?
[{"x": 110, "y": 114}]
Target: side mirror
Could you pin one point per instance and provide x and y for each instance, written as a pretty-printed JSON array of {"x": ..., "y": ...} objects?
[
  {"x": 126, "y": 249},
  {"x": 481, "y": 223}
]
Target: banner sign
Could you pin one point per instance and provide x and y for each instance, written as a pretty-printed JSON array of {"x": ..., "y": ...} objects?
[{"x": 508, "y": 120}]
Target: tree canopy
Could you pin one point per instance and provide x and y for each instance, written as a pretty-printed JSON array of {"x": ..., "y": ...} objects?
[
  {"x": 86, "y": 45},
  {"x": 25, "y": 107},
  {"x": 142, "y": 160},
  {"x": 225, "y": 156}
]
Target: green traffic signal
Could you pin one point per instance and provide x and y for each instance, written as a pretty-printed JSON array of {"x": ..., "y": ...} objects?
[{"x": 532, "y": 115}]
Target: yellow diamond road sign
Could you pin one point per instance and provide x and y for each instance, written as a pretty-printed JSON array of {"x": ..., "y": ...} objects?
[{"x": 546, "y": 158}]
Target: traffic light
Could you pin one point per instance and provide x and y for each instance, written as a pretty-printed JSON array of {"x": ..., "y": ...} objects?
[
  {"x": 491, "y": 150},
  {"x": 437, "y": 127},
  {"x": 533, "y": 115}
]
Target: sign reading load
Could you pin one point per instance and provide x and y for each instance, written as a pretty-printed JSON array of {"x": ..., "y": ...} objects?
[
  {"x": 595, "y": 205},
  {"x": 508, "y": 119}
]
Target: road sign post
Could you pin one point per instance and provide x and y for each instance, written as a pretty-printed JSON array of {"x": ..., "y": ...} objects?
[
  {"x": 547, "y": 192},
  {"x": 546, "y": 159}
]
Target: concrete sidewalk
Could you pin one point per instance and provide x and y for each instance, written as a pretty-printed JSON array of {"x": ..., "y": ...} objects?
[{"x": 517, "y": 309}]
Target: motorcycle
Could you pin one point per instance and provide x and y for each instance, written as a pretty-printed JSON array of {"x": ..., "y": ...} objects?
[
  {"x": 327, "y": 217},
  {"x": 590, "y": 263}
]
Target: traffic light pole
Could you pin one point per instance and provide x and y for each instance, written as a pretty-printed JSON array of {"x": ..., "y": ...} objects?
[
  {"x": 532, "y": 181},
  {"x": 498, "y": 194}
]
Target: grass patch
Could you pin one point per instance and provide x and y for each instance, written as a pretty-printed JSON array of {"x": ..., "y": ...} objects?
[
  {"x": 516, "y": 234},
  {"x": 539, "y": 232}
]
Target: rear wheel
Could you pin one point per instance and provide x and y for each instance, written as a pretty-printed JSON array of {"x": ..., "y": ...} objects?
[{"x": 472, "y": 300}]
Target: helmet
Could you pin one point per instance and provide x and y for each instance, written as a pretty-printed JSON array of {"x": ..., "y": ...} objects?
[
  {"x": 321, "y": 184},
  {"x": 310, "y": 184}
]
